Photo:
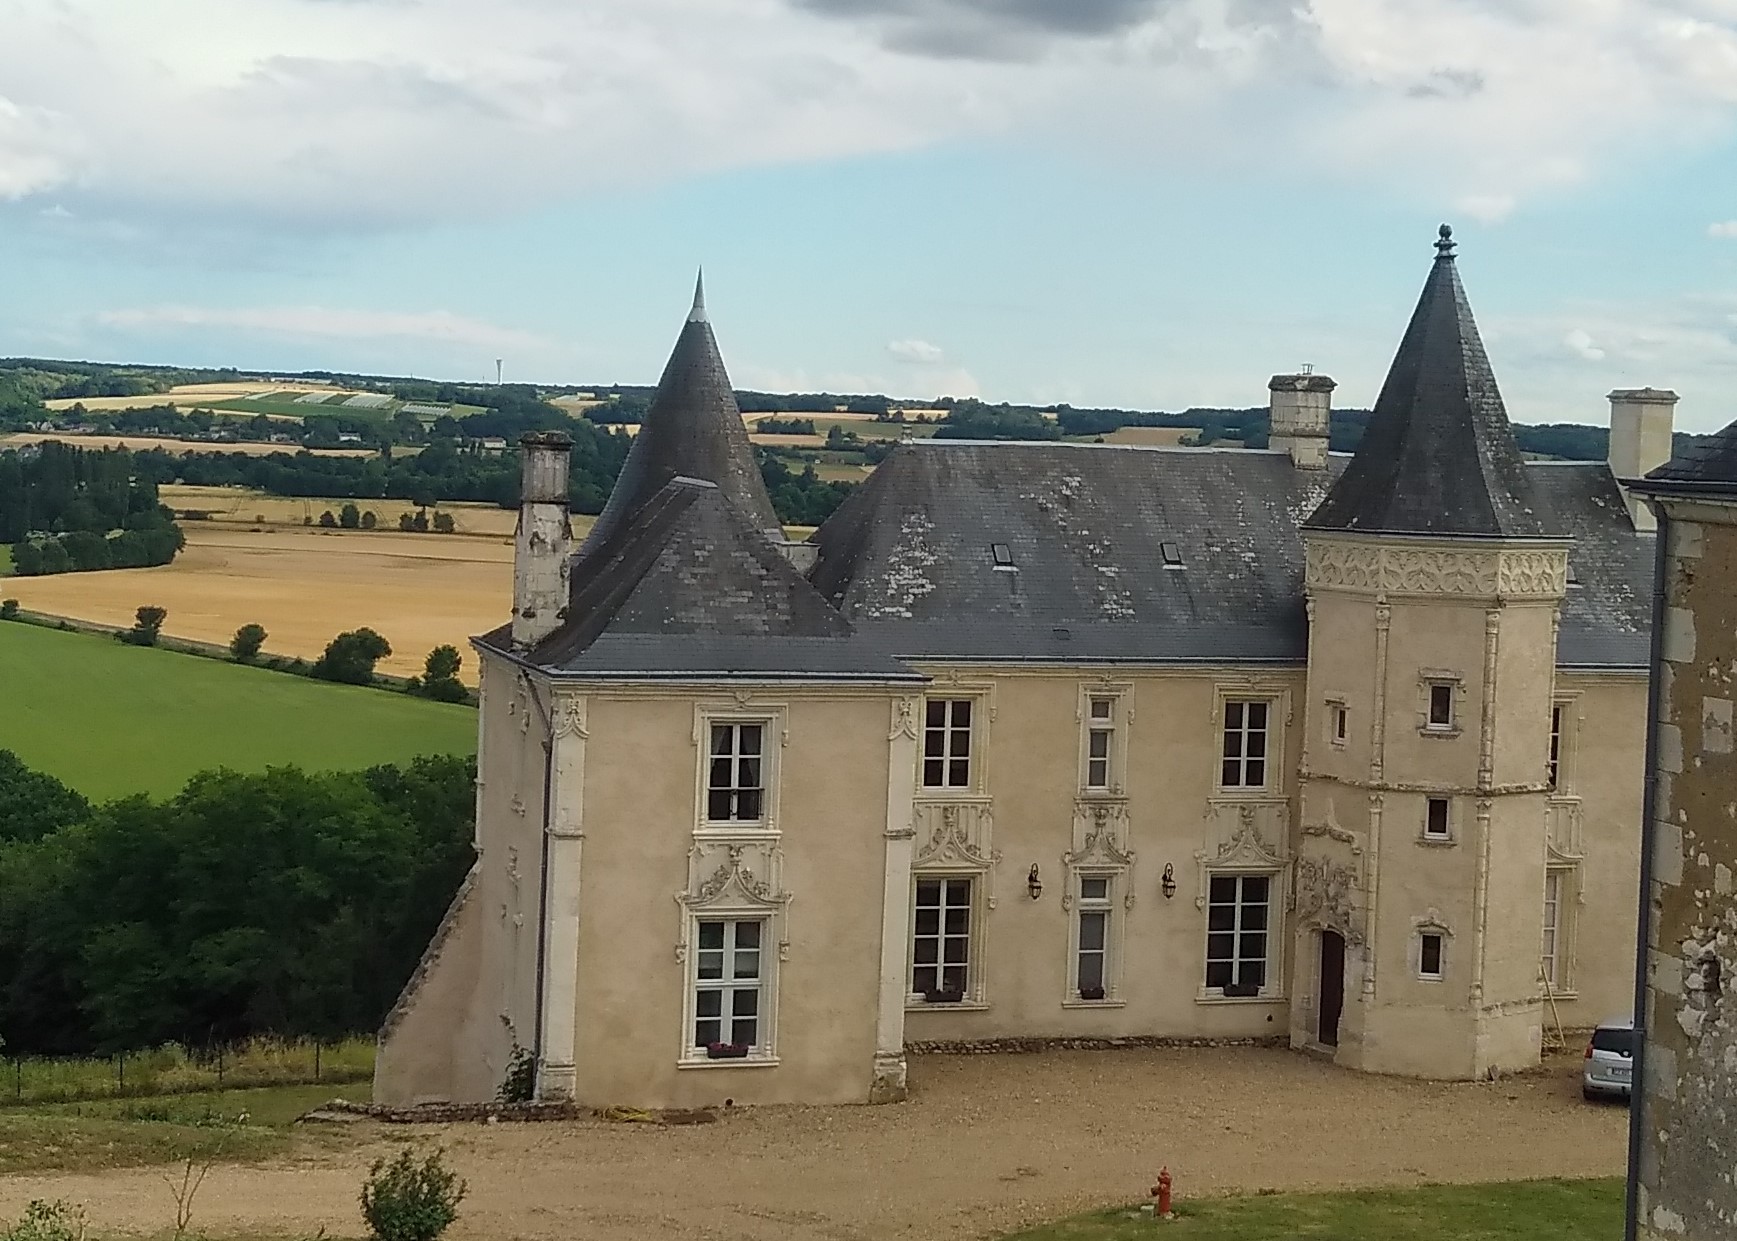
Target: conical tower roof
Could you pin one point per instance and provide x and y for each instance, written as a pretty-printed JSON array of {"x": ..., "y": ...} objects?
[
  {"x": 1438, "y": 456},
  {"x": 694, "y": 430}
]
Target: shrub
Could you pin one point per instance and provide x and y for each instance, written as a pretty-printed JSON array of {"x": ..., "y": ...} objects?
[
  {"x": 369, "y": 521},
  {"x": 327, "y": 521},
  {"x": 247, "y": 642},
  {"x": 8, "y": 609},
  {"x": 443, "y": 523},
  {"x": 147, "y": 625},
  {"x": 520, "y": 1082},
  {"x": 406, "y": 521},
  {"x": 47, "y": 1221},
  {"x": 409, "y": 1201},
  {"x": 350, "y": 657},
  {"x": 350, "y": 517}
]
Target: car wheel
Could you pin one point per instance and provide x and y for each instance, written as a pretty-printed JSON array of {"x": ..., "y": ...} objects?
[{"x": 1589, "y": 1094}]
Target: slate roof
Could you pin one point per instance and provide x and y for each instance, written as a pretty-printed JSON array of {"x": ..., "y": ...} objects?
[
  {"x": 1438, "y": 456},
  {"x": 689, "y": 586},
  {"x": 1708, "y": 465},
  {"x": 693, "y": 429},
  {"x": 909, "y": 558}
]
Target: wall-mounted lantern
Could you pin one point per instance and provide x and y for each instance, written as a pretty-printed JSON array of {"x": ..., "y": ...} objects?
[
  {"x": 1168, "y": 883},
  {"x": 1033, "y": 884}
]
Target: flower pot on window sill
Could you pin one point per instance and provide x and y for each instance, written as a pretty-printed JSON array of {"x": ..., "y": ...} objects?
[
  {"x": 727, "y": 1051},
  {"x": 954, "y": 996},
  {"x": 1241, "y": 990},
  {"x": 1091, "y": 993}
]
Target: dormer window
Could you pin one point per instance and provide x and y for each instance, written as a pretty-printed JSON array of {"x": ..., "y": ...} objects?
[{"x": 1172, "y": 555}]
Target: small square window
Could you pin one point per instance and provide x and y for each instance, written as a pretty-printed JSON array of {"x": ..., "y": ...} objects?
[
  {"x": 1435, "y": 821},
  {"x": 1441, "y": 706},
  {"x": 1429, "y": 954}
]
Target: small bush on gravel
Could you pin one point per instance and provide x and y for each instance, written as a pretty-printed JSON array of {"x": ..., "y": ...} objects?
[
  {"x": 409, "y": 1201},
  {"x": 47, "y": 1221}
]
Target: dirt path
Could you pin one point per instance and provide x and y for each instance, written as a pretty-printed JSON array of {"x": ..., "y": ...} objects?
[{"x": 989, "y": 1143}]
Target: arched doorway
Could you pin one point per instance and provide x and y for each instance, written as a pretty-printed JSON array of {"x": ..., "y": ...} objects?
[{"x": 1332, "y": 976}]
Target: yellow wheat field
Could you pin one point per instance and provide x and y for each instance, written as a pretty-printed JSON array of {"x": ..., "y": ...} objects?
[
  {"x": 1149, "y": 437},
  {"x": 232, "y": 506},
  {"x": 187, "y": 396}
]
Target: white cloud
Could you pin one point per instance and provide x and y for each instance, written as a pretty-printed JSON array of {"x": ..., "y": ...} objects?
[
  {"x": 1724, "y": 230},
  {"x": 321, "y": 323},
  {"x": 366, "y": 115},
  {"x": 915, "y": 351},
  {"x": 1579, "y": 342}
]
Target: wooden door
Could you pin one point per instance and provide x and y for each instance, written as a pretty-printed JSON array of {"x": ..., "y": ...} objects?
[{"x": 1332, "y": 986}]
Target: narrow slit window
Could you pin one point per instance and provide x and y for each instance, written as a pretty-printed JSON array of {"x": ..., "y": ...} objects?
[
  {"x": 1429, "y": 954},
  {"x": 1554, "y": 774},
  {"x": 1341, "y": 722},
  {"x": 1441, "y": 706},
  {"x": 1435, "y": 821}
]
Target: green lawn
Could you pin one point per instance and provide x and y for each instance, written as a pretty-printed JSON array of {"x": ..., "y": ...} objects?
[
  {"x": 5, "y": 559},
  {"x": 111, "y": 719},
  {"x": 1514, "y": 1211}
]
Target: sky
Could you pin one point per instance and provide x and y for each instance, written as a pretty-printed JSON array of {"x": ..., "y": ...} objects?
[{"x": 1143, "y": 203}]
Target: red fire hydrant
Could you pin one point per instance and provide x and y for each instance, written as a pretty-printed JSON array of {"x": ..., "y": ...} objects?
[{"x": 1161, "y": 1191}]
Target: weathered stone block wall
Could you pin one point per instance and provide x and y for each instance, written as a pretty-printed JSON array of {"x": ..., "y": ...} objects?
[{"x": 1688, "y": 1135}]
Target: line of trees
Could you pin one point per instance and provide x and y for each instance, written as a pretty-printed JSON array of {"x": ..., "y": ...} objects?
[
  {"x": 66, "y": 509},
  {"x": 285, "y": 903}
]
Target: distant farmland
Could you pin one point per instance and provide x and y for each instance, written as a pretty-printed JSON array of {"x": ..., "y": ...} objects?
[{"x": 111, "y": 719}]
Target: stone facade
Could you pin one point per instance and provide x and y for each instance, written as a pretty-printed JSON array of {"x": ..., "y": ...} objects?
[{"x": 1684, "y": 1185}]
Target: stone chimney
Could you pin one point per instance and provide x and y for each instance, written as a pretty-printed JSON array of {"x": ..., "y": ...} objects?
[
  {"x": 543, "y": 542},
  {"x": 1300, "y": 408},
  {"x": 1640, "y": 440}
]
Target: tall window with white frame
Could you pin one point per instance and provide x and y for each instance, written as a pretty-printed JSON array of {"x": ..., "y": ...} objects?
[
  {"x": 735, "y": 777},
  {"x": 941, "y": 939},
  {"x": 1245, "y": 751},
  {"x": 1100, "y": 744},
  {"x": 1092, "y": 950},
  {"x": 947, "y": 743},
  {"x": 1553, "y": 773},
  {"x": 1237, "y": 915},
  {"x": 1551, "y": 955},
  {"x": 729, "y": 987}
]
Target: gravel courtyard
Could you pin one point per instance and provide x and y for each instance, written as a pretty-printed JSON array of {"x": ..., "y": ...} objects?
[{"x": 987, "y": 1143}]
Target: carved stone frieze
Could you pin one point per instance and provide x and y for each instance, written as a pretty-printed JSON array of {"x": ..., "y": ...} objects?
[
  {"x": 955, "y": 834},
  {"x": 734, "y": 874},
  {"x": 1379, "y": 568},
  {"x": 1563, "y": 831},
  {"x": 1332, "y": 831},
  {"x": 1100, "y": 844},
  {"x": 1250, "y": 834},
  {"x": 1327, "y": 896}
]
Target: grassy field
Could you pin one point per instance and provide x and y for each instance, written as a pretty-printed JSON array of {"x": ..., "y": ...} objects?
[
  {"x": 93, "y": 1137},
  {"x": 111, "y": 719},
  {"x": 288, "y": 405},
  {"x": 163, "y": 1071},
  {"x": 1515, "y": 1211}
]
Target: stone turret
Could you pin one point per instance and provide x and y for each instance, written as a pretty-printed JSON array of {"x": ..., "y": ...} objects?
[
  {"x": 543, "y": 541},
  {"x": 1434, "y": 582},
  {"x": 693, "y": 429}
]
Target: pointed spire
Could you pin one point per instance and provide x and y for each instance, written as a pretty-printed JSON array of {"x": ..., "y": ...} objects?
[
  {"x": 1438, "y": 456},
  {"x": 693, "y": 429},
  {"x": 698, "y": 313}
]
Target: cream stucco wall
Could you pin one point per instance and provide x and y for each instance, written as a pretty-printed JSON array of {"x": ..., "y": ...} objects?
[
  {"x": 643, "y": 763},
  {"x": 1031, "y": 763}
]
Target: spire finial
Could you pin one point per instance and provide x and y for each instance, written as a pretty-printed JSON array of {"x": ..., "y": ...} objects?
[
  {"x": 1444, "y": 246},
  {"x": 698, "y": 313}
]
